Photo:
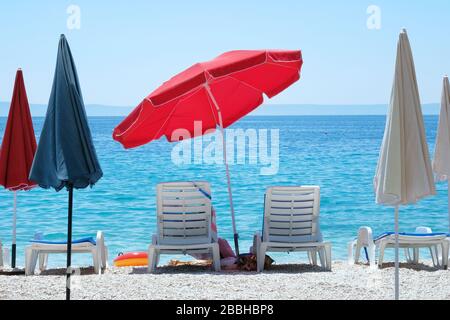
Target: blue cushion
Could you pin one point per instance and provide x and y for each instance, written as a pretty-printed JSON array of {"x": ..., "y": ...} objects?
[{"x": 79, "y": 241}]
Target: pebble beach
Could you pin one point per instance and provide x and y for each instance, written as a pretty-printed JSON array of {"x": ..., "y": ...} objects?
[{"x": 281, "y": 282}]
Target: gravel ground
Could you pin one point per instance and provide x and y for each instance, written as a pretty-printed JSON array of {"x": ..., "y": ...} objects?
[{"x": 297, "y": 282}]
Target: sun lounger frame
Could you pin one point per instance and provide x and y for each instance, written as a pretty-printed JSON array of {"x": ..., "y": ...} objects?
[
  {"x": 436, "y": 244},
  {"x": 291, "y": 224},
  {"x": 40, "y": 251},
  {"x": 184, "y": 213}
]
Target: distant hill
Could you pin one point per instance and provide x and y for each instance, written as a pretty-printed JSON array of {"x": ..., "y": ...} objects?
[
  {"x": 38, "y": 110},
  {"x": 344, "y": 110}
]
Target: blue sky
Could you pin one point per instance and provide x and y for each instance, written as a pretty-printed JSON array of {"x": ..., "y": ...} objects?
[{"x": 125, "y": 49}]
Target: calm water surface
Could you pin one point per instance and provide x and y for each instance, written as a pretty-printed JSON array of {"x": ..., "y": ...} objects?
[{"x": 337, "y": 153}]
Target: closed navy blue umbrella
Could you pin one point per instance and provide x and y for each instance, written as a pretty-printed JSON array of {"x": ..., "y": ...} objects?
[{"x": 66, "y": 157}]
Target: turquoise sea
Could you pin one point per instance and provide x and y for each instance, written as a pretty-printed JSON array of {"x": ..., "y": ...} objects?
[{"x": 338, "y": 153}]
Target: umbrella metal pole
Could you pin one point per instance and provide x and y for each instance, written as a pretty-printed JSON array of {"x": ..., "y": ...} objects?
[
  {"x": 69, "y": 242},
  {"x": 230, "y": 194},
  {"x": 397, "y": 263},
  {"x": 14, "y": 238},
  {"x": 227, "y": 168}
]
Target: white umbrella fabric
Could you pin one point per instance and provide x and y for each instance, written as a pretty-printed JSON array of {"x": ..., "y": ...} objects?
[
  {"x": 441, "y": 163},
  {"x": 404, "y": 173}
]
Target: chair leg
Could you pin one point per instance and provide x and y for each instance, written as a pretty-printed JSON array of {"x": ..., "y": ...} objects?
[
  {"x": 256, "y": 244},
  {"x": 328, "y": 256},
  {"x": 313, "y": 257},
  {"x": 322, "y": 258},
  {"x": 43, "y": 260},
  {"x": 261, "y": 257},
  {"x": 435, "y": 256},
  {"x": 416, "y": 255},
  {"x": 1, "y": 255},
  {"x": 28, "y": 253},
  {"x": 256, "y": 249},
  {"x": 381, "y": 254},
  {"x": 152, "y": 259},
  {"x": 439, "y": 253},
  {"x": 216, "y": 257},
  {"x": 350, "y": 258},
  {"x": 32, "y": 261},
  {"x": 371, "y": 251},
  {"x": 96, "y": 259},
  {"x": 445, "y": 252},
  {"x": 409, "y": 259},
  {"x": 157, "y": 258},
  {"x": 358, "y": 249}
]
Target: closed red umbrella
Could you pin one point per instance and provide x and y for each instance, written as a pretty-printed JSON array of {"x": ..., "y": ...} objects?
[
  {"x": 216, "y": 93},
  {"x": 18, "y": 149}
]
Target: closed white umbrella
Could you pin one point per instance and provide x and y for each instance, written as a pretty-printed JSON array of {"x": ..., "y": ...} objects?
[
  {"x": 404, "y": 174},
  {"x": 441, "y": 163}
]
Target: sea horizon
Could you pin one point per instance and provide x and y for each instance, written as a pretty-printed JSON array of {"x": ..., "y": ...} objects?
[{"x": 98, "y": 110}]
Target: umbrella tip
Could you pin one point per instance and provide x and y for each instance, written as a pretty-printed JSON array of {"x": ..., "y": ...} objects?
[
  {"x": 404, "y": 30},
  {"x": 62, "y": 36}
]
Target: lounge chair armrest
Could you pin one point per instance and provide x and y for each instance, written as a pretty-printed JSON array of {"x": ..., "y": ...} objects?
[
  {"x": 100, "y": 240},
  {"x": 365, "y": 236},
  {"x": 257, "y": 239},
  {"x": 102, "y": 249}
]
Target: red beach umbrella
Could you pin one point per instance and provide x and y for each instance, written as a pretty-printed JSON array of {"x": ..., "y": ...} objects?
[
  {"x": 18, "y": 149},
  {"x": 216, "y": 93}
]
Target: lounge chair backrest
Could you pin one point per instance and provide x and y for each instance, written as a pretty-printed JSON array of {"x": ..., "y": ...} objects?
[
  {"x": 184, "y": 213},
  {"x": 423, "y": 230},
  {"x": 291, "y": 214}
]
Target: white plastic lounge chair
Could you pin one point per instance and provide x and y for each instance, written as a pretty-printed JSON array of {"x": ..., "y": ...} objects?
[
  {"x": 184, "y": 222},
  {"x": 413, "y": 255},
  {"x": 363, "y": 241},
  {"x": 415, "y": 241},
  {"x": 435, "y": 252},
  {"x": 423, "y": 238},
  {"x": 291, "y": 224},
  {"x": 41, "y": 249}
]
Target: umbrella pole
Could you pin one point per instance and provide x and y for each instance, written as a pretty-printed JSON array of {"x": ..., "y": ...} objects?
[
  {"x": 69, "y": 242},
  {"x": 227, "y": 168},
  {"x": 230, "y": 193},
  {"x": 397, "y": 263},
  {"x": 14, "y": 241}
]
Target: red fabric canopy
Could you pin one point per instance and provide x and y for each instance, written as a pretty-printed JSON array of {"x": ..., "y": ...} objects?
[
  {"x": 19, "y": 142},
  {"x": 237, "y": 81}
]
